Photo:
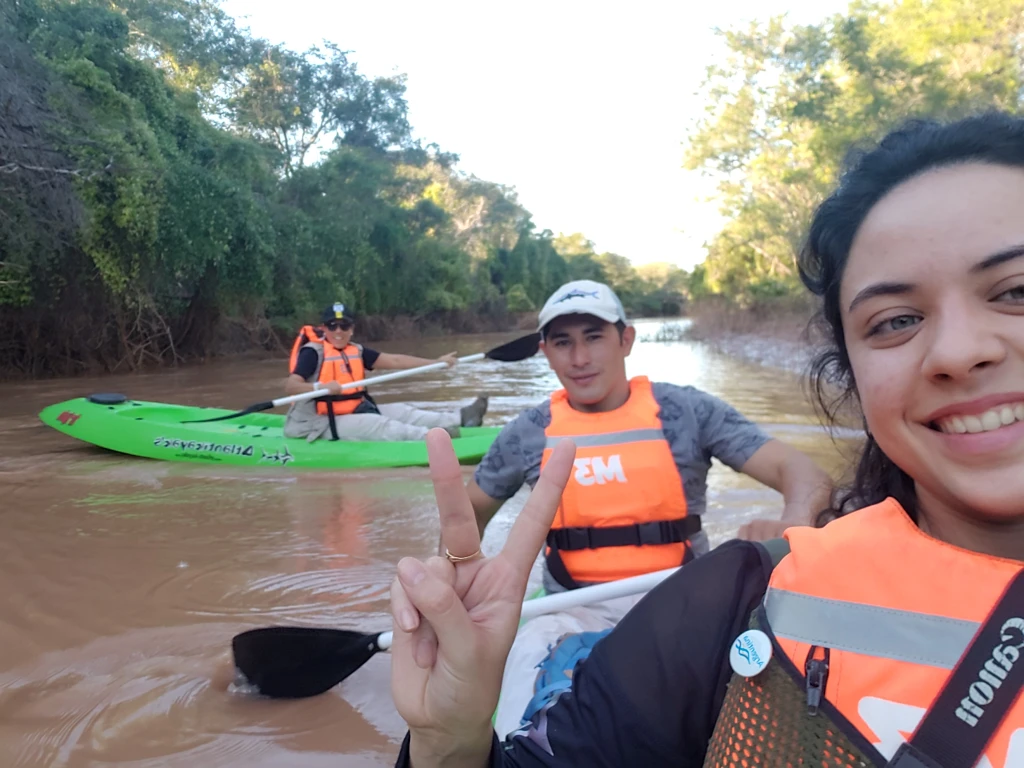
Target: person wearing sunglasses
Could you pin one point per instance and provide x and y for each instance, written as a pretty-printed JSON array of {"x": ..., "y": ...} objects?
[{"x": 324, "y": 357}]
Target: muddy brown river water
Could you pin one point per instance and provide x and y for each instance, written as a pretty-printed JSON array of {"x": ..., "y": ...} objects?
[{"x": 124, "y": 579}]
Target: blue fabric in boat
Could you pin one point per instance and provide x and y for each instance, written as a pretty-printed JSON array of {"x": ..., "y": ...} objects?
[{"x": 556, "y": 670}]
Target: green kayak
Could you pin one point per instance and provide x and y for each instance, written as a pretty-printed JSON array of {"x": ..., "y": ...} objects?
[{"x": 156, "y": 431}]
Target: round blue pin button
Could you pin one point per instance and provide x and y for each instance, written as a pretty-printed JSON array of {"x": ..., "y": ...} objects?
[{"x": 750, "y": 653}]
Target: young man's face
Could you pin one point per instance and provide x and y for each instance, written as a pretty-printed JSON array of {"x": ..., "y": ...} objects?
[{"x": 588, "y": 356}]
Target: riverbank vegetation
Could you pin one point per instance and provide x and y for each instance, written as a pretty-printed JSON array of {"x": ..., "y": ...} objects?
[
  {"x": 172, "y": 187},
  {"x": 788, "y": 101}
]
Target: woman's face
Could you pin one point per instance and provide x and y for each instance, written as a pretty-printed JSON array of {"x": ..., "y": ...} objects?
[{"x": 933, "y": 317}]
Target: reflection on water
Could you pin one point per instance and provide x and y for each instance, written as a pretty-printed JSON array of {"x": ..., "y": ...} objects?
[{"x": 126, "y": 578}]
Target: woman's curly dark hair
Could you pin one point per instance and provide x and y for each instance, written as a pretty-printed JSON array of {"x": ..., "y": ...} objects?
[{"x": 867, "y": 176}]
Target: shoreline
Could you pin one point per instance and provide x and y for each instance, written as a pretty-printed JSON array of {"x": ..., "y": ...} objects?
[
  {"x": 238, "y": 338},
  {"x": 784, "y": 340},
  {"x": 771, "y": 336},
  {"x": 777, "y": 339}
]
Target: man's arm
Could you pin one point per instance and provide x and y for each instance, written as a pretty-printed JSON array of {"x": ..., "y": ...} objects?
[
  {"x": 296, "y": 385},
  {"x": 805, "y": 487},
  {"x": 305, "y": 367},
  {"x": 742, "y": 445},
  {"x": 484, "y": 506}
]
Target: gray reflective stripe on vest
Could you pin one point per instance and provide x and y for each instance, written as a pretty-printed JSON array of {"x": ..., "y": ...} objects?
[
  {"x": 887, "y": 633},
  {"x": 319, "y": 349},
  {"x": 610, "y": 438}
]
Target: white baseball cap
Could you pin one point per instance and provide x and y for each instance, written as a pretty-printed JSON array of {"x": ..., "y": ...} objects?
[{"x": 582, "y": 297}]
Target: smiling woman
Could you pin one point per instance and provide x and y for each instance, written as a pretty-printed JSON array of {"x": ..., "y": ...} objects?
[
  {"x": 933, "y": 335},
  {"x": 887, "y": 635},
  {"x": 930, "y": 315}
]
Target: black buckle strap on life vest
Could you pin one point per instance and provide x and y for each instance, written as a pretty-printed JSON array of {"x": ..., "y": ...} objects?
[
  {"x": 331, "y": 421},
  {"x": 331, "y": 415},
  {"x": 560, "y": 573},
  {"x": 637, "y": 535},
  {"x": 978, "y": 694},
  {"x": 343, "y": 396}
]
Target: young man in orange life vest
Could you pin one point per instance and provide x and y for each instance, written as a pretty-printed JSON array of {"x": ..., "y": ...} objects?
[
  {"x": 324, "y": 357},
  {"x": 643, "y": 451}
]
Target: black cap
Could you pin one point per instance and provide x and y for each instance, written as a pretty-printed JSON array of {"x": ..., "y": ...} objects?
[{"x": 337, "y": 311}]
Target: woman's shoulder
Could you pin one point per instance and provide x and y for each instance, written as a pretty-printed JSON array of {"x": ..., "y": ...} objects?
[{"x": 717, "y": 589}]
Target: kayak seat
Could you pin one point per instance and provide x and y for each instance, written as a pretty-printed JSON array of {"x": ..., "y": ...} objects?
[
  {"x": 556, "y": 670},
  {"x": 107, "y": 398}
]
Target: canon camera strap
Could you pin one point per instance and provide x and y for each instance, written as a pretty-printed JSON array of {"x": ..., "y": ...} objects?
[{"x": 978, "y": 694}]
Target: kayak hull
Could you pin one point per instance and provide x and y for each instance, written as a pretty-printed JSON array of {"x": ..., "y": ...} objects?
[{"x": 155, "y": 431}]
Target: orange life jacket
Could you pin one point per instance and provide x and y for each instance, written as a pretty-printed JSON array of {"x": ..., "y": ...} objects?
[
  {"x": 341, "y": 365},
  {"x": 623, "y": 511},
  {"x": 307, "y": 335},
  {"x": 896, "y": 609}
]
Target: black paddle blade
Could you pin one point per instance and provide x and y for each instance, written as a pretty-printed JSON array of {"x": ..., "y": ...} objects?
[
  {"x": 519, "y": 349},
  {"x": 296, "y": 662},
  {"x": 266, "y": 406}
]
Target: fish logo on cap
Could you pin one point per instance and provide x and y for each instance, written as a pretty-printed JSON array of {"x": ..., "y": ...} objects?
[{"x": 575, "y": 293}]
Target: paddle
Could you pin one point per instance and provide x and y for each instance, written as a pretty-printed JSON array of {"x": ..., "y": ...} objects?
[
  {"x": 296, "y": 662},
  {"x": 513, "y": 351}
]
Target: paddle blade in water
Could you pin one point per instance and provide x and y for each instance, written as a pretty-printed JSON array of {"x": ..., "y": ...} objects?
[
  {"x": 296, "y": 662},
  {"x": 519, "y": 349}
]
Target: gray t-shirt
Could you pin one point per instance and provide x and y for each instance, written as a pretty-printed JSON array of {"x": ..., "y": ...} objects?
[{"x": 697, "y": 426}]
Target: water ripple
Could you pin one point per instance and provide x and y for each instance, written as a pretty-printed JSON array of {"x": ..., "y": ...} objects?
[{"x": 146, "y": 696}]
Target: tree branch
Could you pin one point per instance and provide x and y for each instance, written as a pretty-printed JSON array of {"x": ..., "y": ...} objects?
[{"x": 15, "y": 166}]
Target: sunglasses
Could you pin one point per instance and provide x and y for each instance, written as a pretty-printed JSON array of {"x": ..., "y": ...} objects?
[{"x": 335, "y": 325}]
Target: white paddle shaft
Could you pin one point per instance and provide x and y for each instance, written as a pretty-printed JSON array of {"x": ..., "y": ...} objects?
[
  {"x": 373, "y": 380},
  {"x": 573, "y": 597}
]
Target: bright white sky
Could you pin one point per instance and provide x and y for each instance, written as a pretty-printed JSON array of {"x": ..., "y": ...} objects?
[{"x": 582, "y": 107}]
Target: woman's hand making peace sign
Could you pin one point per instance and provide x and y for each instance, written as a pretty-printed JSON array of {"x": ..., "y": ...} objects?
[{"x": 455, "y": 621}]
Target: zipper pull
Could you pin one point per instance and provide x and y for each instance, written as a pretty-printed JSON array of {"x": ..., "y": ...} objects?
[{"x": 817, "y": 677}]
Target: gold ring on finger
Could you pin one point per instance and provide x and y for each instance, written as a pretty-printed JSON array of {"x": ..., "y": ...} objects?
[{"x": 456, "y": 559}]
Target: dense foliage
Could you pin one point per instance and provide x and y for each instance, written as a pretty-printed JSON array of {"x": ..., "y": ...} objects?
[
  {"x": 789, "y": 101},
  {"x": 171, "y": 186}
]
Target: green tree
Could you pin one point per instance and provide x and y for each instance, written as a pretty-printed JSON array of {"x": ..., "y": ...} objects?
[
  {"x": 518, "y": 300},
  {"x": 789, "y": 101},
  {"x": 296, "y": 102},
  {"x": 173, "y": 186}
]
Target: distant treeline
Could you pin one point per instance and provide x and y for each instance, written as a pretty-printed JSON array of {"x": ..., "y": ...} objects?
[
  {"x": 172, "y": 187},
  {"x": 787, "y": 103}
]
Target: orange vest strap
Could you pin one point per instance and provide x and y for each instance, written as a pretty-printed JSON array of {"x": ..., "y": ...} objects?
[
  {"x": 307, "y": 335},
  {"x": 639, "y": 534}
]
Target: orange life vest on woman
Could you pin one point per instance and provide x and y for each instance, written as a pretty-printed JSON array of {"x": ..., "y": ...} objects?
[
  {"x": 895, "y": 610},
  {"x": 341, "y": 365},
  {"x": 623, "y": 511}
]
